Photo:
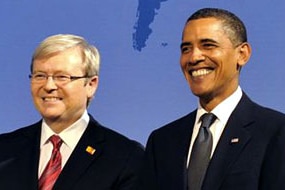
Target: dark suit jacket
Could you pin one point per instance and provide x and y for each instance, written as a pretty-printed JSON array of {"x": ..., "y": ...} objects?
[
  {"x": 250, "y": 154},
  {"x": 114, "y": 165}
]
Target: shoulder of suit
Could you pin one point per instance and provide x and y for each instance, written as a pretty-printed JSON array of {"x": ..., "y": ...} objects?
[
  {"x": 115, "y": 138},
  {"x": 21, "y": 132},
  {"x": 177, "y": 126}
]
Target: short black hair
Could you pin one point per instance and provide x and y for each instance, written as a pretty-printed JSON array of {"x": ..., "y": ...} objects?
[{"x": 233, "y": 25}]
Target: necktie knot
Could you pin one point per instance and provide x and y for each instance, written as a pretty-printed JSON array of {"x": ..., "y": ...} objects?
[
  {"x": 207, "y": 119},
  {"x": 56, "y": 141}
]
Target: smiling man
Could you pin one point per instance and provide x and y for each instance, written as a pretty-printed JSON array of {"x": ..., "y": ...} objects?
[
  {"x": 229, "y": 142},
  {"x": 68, "y": 149}
]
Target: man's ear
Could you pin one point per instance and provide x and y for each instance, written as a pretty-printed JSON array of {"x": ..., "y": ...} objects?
[
  {"x": 92, "y": 85},
  {"x": 244, "y": 54}
]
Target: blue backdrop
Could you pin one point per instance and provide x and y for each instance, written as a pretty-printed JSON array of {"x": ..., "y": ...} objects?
[{"x": 141, "y": 86}]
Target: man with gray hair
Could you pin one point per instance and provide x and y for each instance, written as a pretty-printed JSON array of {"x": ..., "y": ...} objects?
[{"x": 67, "y": 149}]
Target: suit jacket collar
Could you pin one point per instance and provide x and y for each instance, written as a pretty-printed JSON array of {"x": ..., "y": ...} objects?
[
  {"x": 88, "y": 149},
  {"x": 184, "y": 149},
  {"x": 177, "y": 150},
  {"x": 27, "y": 156},
  {"x": 231, "y": 143}
]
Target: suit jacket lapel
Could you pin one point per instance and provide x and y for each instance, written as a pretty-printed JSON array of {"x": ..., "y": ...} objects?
[
  {"x": 231, "y": 143},
  {"x": 179, "y": 148},
  {"x": 87, "y": 150},
  {"x": 187, "y": 134},
  {"x": 27, "y": 158}
]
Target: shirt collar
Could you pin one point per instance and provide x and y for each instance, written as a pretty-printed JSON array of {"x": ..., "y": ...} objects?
[
  {"x": 70, "y": 135},
  {"x": 224, "y": 109}
]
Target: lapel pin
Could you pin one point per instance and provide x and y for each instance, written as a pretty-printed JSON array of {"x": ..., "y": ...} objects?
[
  {"x": 235, "y": 140},
  {"x": 90, "y": 150}
]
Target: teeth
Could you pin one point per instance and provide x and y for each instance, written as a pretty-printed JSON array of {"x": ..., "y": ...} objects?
[
  {"x": 200, "y": 72},
  {"x": 51, "y": 99}
]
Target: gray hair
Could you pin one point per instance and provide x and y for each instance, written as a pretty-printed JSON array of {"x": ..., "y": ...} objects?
[{"x": 60, "y": 42}]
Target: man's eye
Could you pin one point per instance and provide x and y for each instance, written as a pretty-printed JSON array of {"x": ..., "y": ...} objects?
[
  {"x": 40, "y": 76},
  {"x": 62, "y": 77},
  {"x": 185, "y": 49},
  {"x": 209, "y": 45}
]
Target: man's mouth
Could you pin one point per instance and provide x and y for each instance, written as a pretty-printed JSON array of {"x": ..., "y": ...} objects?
[
  {"x": 51, "y": 99},
  {"x": 200, "y": 72}
]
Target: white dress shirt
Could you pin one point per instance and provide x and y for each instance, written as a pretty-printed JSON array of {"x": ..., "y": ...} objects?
[
  {"x": 222, "y": 112},
  {"x": 70, "y": 137}
]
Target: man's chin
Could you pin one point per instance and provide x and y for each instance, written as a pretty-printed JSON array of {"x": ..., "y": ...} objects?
[{"x": 51, "y": 117}]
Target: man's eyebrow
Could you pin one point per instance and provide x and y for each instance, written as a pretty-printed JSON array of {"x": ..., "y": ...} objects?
[{"x": 208, "y": 40}]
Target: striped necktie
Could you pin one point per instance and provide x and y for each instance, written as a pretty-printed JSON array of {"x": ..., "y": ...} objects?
[{"x": 53, "y": 168}]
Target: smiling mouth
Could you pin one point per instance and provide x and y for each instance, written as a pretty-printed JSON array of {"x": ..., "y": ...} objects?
[
  {"x": 51, "y": 99},
  {"x": 200, "y": 72}
]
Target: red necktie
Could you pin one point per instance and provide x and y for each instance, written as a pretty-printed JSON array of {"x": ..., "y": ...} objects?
[{"x": 53, "y": 168}]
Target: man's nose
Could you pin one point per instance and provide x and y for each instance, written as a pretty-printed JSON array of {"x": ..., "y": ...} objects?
[
  {"x": 50, "y": 84},
  {"x": 196, "y": 56}
]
